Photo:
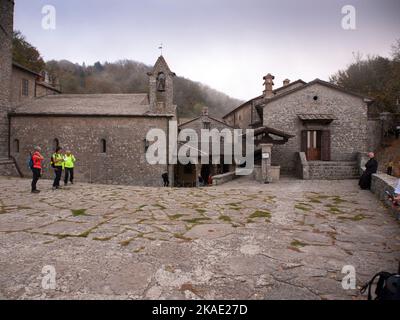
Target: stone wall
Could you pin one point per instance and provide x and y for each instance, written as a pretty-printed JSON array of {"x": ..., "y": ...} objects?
[
  {"x": 382, "y": 182},
  {"x": 374, "y": 134},
  {"x": 8, "y": 168},
  {"x": 348, "y": 132},
  {"x": 123, "y": 162},
  {"x": 16, "y": 91},
  {"x": 6, "y": 30},
  {"x": 333, "y": 170},
  {"x": 326, "y": 170}
]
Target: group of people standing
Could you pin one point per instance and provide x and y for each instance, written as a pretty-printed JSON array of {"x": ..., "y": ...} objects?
[{"x": 59, "y": 162}]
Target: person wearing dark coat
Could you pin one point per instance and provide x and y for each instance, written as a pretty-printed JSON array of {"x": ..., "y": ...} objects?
[{"x": 371, "y": 167}]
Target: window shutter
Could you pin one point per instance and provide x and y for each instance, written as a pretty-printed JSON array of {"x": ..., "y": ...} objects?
[
  {"x": 326, "y": 146},
  {"x": 304, "y": 141}
]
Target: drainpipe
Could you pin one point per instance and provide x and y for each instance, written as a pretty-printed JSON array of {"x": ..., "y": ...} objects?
[
  {"x": 9, "y": 135},
  {"x": 171, "y": 174}
]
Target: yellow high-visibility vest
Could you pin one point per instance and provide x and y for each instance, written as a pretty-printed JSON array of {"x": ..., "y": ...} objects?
[
  {"x": 58, "y": 156},
  {"x": 69, "y": 161}
]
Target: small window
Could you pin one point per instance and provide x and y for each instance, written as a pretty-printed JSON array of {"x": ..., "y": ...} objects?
[
  {"x": 56, "y": 144},
  {"x": 207, "y": 125},
  {"x": 103, "y": 145},
  {"x": 315, "y": 98},
  {"x": 25, "y": 87},
  {"x": 16, "y": 146}
]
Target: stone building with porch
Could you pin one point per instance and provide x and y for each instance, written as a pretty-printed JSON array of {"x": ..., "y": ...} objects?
[
  {"x": 327, "y": 125},
  {"x": 187, "y": 175}
]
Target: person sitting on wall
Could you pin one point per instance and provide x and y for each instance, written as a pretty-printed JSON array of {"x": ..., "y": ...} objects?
[{"x": 371, "y": 167}]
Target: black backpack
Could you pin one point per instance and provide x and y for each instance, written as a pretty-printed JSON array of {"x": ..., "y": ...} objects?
[{"x": 387, "y": 288}]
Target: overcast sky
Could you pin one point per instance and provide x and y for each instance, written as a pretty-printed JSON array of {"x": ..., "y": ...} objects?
[{"x": 227, "y": 44}]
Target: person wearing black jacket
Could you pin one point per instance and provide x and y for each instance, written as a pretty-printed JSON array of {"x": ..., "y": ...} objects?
[{"x": 371, "y": 167}]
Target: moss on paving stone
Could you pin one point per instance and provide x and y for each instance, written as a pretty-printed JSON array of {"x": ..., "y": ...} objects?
[
  {"x": 160, "y": 206},
  {"x": 201, "y": 210},
  {"x": 333, "y": 209},
  {"x": 296, "y": 243},
  {"x": 358, "y": 217},
  {"x": 303, "y": 207},
  {"x": 176, "y": 216},
  {"x": 225, "y": 218},
  {"x": 197, "y": 220},
  {"x": 181, "y": 237},
  {"x": 260, "y": 214},
  {"x": 78, "y": 212}
]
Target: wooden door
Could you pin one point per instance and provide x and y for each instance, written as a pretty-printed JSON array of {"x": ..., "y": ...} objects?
[{"x": 313, "y": 147}]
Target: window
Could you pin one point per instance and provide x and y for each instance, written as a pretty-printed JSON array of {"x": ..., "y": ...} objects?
[
  {"x": 25, "y": 87},
  {"x": 207, "y": 125},
  {"x": 103, "y": 145},
  {"x": 56, "y": 144},
  {"x": 16, "y": 146}
]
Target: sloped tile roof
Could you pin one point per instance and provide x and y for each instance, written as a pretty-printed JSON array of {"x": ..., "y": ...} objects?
[{"x": 87, "y": 104}]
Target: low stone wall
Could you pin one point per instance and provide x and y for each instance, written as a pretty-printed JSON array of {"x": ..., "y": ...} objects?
[
  {"x": 333, "y": 170},
  {"x": 8, "y": 168},
  {"x": 326, "y": 170},
  {"x": 382, "y": 182},
  {"x": 223, "y": 178}
]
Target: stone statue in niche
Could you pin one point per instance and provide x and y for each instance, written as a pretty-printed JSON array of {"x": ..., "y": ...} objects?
[{"x": 161, "y": 82}]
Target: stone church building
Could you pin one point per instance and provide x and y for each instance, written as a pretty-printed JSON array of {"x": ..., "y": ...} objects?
[{"x": 106, "y": 132}]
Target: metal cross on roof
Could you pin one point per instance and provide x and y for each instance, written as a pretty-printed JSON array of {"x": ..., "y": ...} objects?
[{"x": 161, "y": 48}]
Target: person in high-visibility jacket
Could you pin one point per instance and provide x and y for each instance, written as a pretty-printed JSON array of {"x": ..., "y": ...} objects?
[
  {"x": 57, "y": 162},
  {"x": 69, "y": 164}
]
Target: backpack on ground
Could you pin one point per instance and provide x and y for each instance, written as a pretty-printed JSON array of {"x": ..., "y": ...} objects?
[{"x": 387, "y": 287}]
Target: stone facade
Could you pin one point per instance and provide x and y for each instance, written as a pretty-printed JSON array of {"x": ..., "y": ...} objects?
[
  {"x": 249, "y": 114},
  {"x": 19, "y": 76},
  {"x": 6, "y": 31},
  {"x": 106, "y": 132},
  {"x": 123, "y": 162},
  {"x": 348, "y": 131},
  {"x": 188, "y": 175}
]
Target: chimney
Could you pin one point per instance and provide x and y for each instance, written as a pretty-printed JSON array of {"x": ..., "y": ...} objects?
[
  {"x": 269, "y": 84},
  {"x": 286, "y": 82},
  {"x": 205, "y": 111}
]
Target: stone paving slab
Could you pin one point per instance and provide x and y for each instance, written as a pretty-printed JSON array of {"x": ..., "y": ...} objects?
[{"x": 241, "y": 240}]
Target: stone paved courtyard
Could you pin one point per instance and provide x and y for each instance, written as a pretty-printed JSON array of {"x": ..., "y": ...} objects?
[{"x": 241, "y": 240}]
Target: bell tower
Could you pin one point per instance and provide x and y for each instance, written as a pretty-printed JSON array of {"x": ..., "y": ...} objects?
[
  {"x": 6, "y": 34},
  {"x": 161, "y": 88}
]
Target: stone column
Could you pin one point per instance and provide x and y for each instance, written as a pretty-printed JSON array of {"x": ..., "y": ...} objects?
[{"x": 266, "y": 149}]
